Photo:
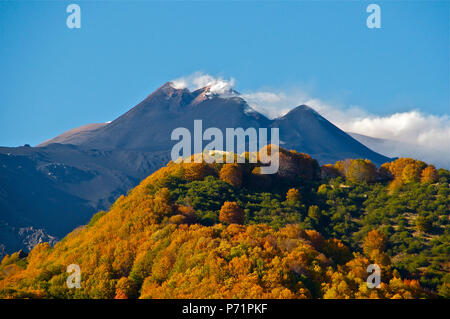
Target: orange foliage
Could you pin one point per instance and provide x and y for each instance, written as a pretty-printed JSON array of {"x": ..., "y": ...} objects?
[
  {"x": 231, "y": 213},
  {"x": 147, "y": 246},
  {"x": 232, "y": 174},
  {"x": 374, "y": 247},
  {"x": 195, "y": 171},
  {"x": 125, "y": 289},
  {"x": 396, "y": 167},
  {"x": 429, "y": 174}
]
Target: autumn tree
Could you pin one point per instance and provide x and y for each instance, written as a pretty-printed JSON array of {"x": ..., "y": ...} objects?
[
  {"x": 162, "y": 205},
  {"x": 374, "y": 247},
  {"x": 396, "y": 167},
  {"x": 293, "y": 196},
  {"x": 395, "y": 185},
  {"x": 411, "y": 173},
  {"x": 361, "y": 171},
  {"x": 188, "y": 212},
  {"x": 126, "y": 289},
  {"x": 375, "y": 240},
  {"x": 429, "y": 175},
  {"x": 161, "y": 270},
  {"x": 177, "y": 219},
  {"x": 231, "y": 213},
  {"x": 186, "y": 215},
  {"x": 196, "y": 171},
  {"x": 232, "y": 174},
  {"x": 339, "y": 166}
]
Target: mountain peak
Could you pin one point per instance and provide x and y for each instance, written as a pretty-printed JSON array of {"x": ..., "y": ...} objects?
[
  {"x": 210, "y": 92},
  {"x": 302, "y": 111},
  {"x": 168, "y": 92},
  {"x": 303, "y": 107},
  {"x": 170, "y": 89}
]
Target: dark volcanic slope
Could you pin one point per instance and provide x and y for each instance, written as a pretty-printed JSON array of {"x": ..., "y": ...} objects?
[
  {"x": 56, "y": 188},
  {"x": 73, "y": 135},
  {"x": 49, "y": 190},
  {"x": 149, "y": 124},
  {"x": 306, "y": 130}
]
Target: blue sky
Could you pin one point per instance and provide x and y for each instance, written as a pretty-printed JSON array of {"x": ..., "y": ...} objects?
[{"x": 53, "y": 78}]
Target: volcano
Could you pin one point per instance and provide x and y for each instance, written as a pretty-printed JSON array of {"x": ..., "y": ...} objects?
[{"x": 60, "y": 183}]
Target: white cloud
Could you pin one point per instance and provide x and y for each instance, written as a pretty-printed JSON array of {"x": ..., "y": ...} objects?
[
  {"x": 271, "y": 104},
  {"x": 408, "y": 134},
  {"x": 418, "y": 135},
  {"x": 405, "y": 134},
  {"x": 198, "y": 80}
]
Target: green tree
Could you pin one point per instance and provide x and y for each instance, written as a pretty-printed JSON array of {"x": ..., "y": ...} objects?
[{"x": 423, "y": 224}]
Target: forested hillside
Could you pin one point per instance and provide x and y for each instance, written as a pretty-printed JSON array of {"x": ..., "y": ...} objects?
[{"x": 225, "y": 231}]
